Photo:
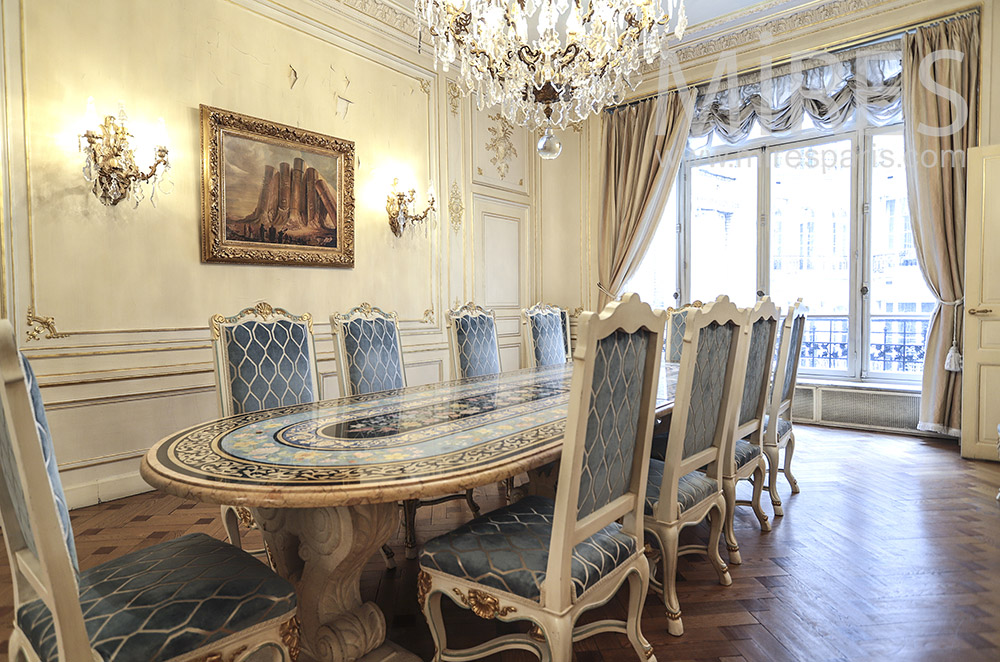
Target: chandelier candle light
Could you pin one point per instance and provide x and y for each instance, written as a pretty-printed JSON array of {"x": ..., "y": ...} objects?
[
  {"x": 402, "y": 209},
  {"x": 549, "y": 63},
  {"x": 110, "y": 162}
]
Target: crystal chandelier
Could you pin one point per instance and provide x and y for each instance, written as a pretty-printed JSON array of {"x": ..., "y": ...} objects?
[{"x": 549, "y": 63}]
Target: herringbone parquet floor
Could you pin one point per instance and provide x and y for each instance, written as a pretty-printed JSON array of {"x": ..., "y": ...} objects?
[{"x": 890, "y": 552}]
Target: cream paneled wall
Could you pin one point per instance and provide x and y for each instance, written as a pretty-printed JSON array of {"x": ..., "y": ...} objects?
[{"x": 129, "y": 359}]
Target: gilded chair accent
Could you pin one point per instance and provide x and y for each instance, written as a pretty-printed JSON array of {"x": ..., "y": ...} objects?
[
  {"x": 546, "y": 561},
  {"x": 707, "y": 399},
  {"x": 369, "y": 353},
  {"x": 472, "y": 335},
  {"x": 264, "y": 357},
  {"x": 191, "y": 598},
  {"x": 743, "y": 458},
  {"x": 675, "y": 329},
  {"x": 781, "y": 434},
  {"x": 545, "y": 335}
]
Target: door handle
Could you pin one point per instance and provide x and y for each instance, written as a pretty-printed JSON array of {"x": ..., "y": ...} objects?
[{"x": 980, "y": 311}]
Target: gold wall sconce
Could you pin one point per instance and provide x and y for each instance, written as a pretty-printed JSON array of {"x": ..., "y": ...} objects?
[
  {"x": 402, "y": 208},
  {"x": 110, "y": 163}
]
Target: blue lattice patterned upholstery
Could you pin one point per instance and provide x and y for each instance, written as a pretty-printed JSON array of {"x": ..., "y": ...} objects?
[
  {"x": 564, "y": 318},
  {"x": 692, "y": 488},
  {"x": 548, "y": 336},
  {"x": 676, "y": 326},
  {"x": 508, "y": 549},
  {"x": 269, "y": 364},
  {"x": 709, "y": 377},
  {"x": 745, "y": 452},
  {"x": 373, "y": 360},
  {"x": 798, "y": 326},
  {"x": 166, "y": 600},
  {"x": 758, "y": 363},
  {"x": 784, "y": 426},
  {"x": 13, "y": 480},
  {"x": 613, "y": 418},
  {"x": 476, "y": 336}
]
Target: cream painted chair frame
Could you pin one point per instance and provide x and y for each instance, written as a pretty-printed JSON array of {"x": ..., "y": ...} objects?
[
  {"x": 556, "y": 611},
  {"x": 670, "y": 335},
  {"x": 234, "y": 516},
  {"x": 753, "y": 429},
  {"x": 529, "y": 338},
  {"x": 49, "y": 575},
  {"x": 469, "y": 309},
  {"x": 668, "y": 520},
  {"x": 779, "y": 404},
  {"x": 337, "y": 323}
]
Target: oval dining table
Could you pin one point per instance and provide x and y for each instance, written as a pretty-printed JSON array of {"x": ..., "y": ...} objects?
[{"x": 323, "y": 479}]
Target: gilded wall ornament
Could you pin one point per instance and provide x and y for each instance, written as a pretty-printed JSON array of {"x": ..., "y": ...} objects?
[
  {"x": 454, "y": 97},
  {"x": 38, "y": 324},
  {"x": 425, "y": 85},
  {"x": 455, "y": 207},
  {"x": 483, "y": 604},
  {"x": 428, "y": 317},
  {"x": 501, "y": 145}
]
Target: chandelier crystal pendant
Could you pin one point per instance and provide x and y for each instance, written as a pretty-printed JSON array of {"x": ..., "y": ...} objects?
[{"x": 549, "y": 63}]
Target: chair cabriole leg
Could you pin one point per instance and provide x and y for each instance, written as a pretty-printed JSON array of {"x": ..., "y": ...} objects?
[
  {"x": 638, "y": 586},
  {"x": 771, "y": 453},
  {"x": 789, "y": 450},
  {"x": 732, "y": 546},
  {"x": 716, "y": 517},
  {"x": 758, "y": 489}
]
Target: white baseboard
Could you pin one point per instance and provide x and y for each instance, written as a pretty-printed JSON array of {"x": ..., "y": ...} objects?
[{"x": 105, "y": 489}]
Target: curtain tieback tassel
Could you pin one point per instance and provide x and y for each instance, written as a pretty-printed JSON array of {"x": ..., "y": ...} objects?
[{"x": 953, "y": 361}]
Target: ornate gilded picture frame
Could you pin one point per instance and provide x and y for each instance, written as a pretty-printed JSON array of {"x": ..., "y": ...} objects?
[{"x": 274, "y": 194}]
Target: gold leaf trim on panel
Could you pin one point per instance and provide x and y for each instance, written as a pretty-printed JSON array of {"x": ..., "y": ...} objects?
[
  {"x": 428, "y": 317},
  {"x": 39, "y": 324},
  {"x": 501, "y": 145},
  {"x": 454, "y": 97},
  {"x": 455, "y": 207},
  {"x": 425, "y": 85}
]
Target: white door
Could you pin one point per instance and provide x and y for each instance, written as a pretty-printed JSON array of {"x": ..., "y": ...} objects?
[{"x": 981, "y": 373}]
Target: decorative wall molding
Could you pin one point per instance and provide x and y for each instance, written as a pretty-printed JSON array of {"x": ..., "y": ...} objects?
[
  {"x": 425, "y": 85},
  {"x": 455, "y": 207},
  {"x": 500, "y": 144},
  {"x": 38, "y": 324},
  {"x": 384, "y": 12},
  {"x": 428, "y": 317},
  {"x": 454, "y": 97}
]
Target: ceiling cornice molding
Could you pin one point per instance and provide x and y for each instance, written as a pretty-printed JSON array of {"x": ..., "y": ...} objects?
[
  {"x": 380, "y": 11},
  {"x": 754, "y": 33}
]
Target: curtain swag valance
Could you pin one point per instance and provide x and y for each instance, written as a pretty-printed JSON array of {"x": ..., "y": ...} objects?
[{"x": 869, "y": 79}]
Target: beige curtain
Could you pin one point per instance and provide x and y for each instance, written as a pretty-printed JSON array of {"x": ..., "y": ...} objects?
[
  {"x": 941, "y": 109},
  {"x": 644, "y": 143}
]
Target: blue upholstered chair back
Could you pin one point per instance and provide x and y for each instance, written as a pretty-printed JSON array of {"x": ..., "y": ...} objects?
[
  {"x": 676, "y": 326},
  {"x": 368, "y": 343},
  {"x": 758, "y": 369},
  {"x": 711, "y": 372},
  {"x": 547, "y": 332},
  {"x": 265, "y": 358},
  {"x": 12, "y": 478},
  {"x": 794, "y": 351},
  {"x": 614, "y": 416},
  {"x": 474, "y": 335}
]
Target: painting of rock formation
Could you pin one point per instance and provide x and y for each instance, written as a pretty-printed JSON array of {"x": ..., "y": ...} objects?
[{"x": 277, "y": 194}]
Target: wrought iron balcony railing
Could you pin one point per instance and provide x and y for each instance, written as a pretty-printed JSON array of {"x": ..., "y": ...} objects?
[{"x": 895, "y": 343}]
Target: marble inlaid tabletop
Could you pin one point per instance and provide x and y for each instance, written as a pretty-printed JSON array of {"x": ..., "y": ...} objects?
[{"x": 422, "y": 441}]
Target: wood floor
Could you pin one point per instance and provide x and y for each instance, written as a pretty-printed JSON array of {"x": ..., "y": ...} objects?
[{"x": 890, "y": 552}]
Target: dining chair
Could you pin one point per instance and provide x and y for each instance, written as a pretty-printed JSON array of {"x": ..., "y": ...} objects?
[
  {"x": 264, "y": 357},
  {"x": 472, "y": 337},
  {"x": 781, "y": 435},
  {"x": 713, "y": 360},
  {"x": 564, "y": 316},
  {"x": 675, "y": 329},
  {"x": 369, "y": 354},
  {"x": 546, "y": 561},
  {"x": 192, "y": 598},
  {"x": 743, "y": 457},
  {"x": 545, "y": 335}
]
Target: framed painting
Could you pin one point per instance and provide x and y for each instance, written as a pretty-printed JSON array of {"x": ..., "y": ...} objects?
[{"x": 274, "y": 194}]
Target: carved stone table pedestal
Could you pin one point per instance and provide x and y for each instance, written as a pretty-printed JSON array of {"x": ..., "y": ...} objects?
[{"x": 322, "y": 552}]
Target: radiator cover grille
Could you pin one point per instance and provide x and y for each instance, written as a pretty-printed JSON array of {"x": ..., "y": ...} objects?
[
  {"x": 877, "y": 409},
  {"x": 803, "y": 406}
]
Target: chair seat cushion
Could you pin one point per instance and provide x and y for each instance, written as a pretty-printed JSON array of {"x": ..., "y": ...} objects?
[
  {"x": 166, "y": 600},
  {"x": 784, "y": 426},
  {"x": 745, "y": 452},
  {"x": 508, "y": 549},
  {"x": 692, "y": 488}
]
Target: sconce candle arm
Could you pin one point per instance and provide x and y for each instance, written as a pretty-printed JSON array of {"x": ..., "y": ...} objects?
[{"x": 398, "y": 205}]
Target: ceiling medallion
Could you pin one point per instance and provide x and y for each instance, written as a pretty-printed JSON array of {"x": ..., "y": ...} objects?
[{"x": 549, "y": 63}]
